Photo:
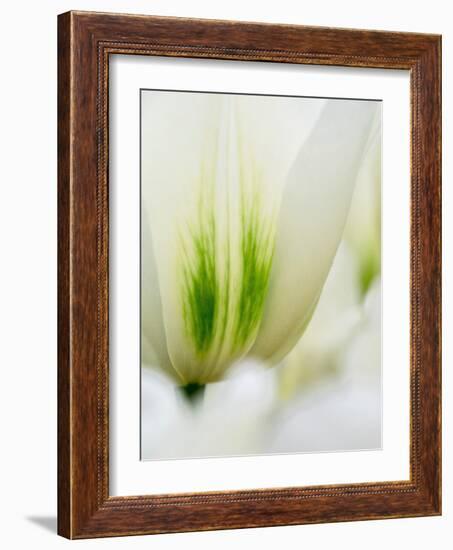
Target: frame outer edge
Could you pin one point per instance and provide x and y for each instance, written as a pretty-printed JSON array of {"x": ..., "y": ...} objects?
[
  {"x": 427, "y": 272},
  {"x": 439, "y": 161},
  {"x": 435, "y": 173},
  {"x": 64, "y": 527}
]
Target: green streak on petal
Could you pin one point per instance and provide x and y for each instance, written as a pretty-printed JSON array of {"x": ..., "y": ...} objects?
[
  {"x": 201, "y": 286},
  {"x": 257, "y": 247},
  {"x": 221, "y": 303}
]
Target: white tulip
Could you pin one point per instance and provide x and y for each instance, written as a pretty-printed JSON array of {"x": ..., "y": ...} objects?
[
  {"x": 244, "y": 203},
  {"x": 363, "y": 228}
]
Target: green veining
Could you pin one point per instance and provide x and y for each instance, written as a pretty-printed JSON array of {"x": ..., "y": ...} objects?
[
  {"x": 201, "y": 285},
  {"x": 257, "y": 246},
  {"x": 221, "y": 303}
]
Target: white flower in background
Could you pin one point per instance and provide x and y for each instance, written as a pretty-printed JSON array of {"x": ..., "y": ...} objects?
[
  {"x": 244, "y": 204},
  {"x": 244, "y": 414},
  {"x": 356, "y": 267},
  {"x": 362, "y": 358},
  {"x": 317, "y": 354},
  {"x": 336, "y": 416},
  {"x": 363, "y": 228},
  {"x": 342, "y": 412},
  {"x": 231, "y": 419}
]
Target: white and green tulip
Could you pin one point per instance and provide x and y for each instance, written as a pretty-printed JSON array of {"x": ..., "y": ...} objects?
[{"x": 245, "y": 199}]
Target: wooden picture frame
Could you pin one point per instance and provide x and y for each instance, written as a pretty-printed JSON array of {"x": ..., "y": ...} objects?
[{"x": 85, "y": 42}]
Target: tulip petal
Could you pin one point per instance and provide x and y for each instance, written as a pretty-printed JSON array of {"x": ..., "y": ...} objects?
[
  {"x": 362, "y": 359},
  {"x": 213, "y": 228},
  {"x": 363, "y": 228},
  {"x": 154, "y": 342},
  {"x": 178, "y": 132},
  {"x": 317, "y": 354},
  {"x": 276, "y": 128},
  {"x": 313, "y": 212}
]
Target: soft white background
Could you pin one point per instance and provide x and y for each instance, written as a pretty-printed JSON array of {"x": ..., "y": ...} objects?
[{"x": 28, "y": 274}]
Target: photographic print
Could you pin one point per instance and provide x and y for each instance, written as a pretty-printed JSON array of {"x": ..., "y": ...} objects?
[
  {"x": 223, "y": 253},
  {"x": 260, "y": 274}
]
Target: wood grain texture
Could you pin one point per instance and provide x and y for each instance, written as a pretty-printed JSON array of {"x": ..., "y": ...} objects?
[
  {"x": 85, "y": 42},
  {"x": 64, "y": 369}
]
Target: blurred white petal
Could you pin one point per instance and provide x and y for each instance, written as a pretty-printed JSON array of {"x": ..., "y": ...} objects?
[
  {"x": 342, "y": 412},
  {"x": 362, "y": 359},
  {"x": 318, "y": 352},
  {"x": 231, "y": 419},
  {"x": 160, "y": 409},
  {"x": 154, "y": 341},
  {"x": 276, "y": 129},
  {"x": 363, "y": 229},
  {"x": 313, "y": 212},
  {"x": 243, "y": 415},
  {"x": 335, "y": 417}
]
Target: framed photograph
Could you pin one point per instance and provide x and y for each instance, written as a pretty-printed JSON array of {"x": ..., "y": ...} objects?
[{"x": 249, "y": 275}]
